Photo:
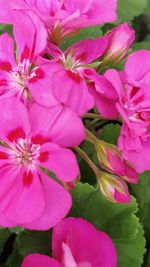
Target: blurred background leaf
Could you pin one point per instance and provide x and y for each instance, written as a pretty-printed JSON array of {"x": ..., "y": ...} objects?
[{"x": 128, "y": 9}]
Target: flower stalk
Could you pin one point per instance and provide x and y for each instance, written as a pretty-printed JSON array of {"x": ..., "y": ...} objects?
[
  {"x": 92, "y": 116},
  {"x": 91, "y": 137},
  {"x": 91, "y": 164}
]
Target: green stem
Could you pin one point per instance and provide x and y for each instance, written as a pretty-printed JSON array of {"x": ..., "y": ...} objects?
[
  {"x": 92, "y": 116},
  {"x": 84, "y": 156},
  {"x": 91, "y": 137}
]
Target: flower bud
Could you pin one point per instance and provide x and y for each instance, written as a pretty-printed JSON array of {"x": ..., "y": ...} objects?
[
  {"x": 111, "y": 160},
  {"x": 113, "y": 188},
  {"x": 119, "y": 39}
]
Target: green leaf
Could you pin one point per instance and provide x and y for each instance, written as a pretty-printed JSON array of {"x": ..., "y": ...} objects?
[
  {"x": 128, "y": 9},
  {"x": 34, "y": 241},
  {"x": 141, "y": 192},
  {"x": 6, "y": 28},
  {"x": 148, "y": 8},
  {"x": 147, "y": 260},
  {"x": 141, "y": 45},
  {"x": 110, "y": 133},
  {"x": 4, "y": 235},
  {"x": 117, "y": 220},
  {"x": 15, "y": 258},
  {"x": 91, "y": 32}
]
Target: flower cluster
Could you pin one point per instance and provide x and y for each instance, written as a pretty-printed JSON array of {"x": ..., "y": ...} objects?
[{"x": 44, "y": 94}]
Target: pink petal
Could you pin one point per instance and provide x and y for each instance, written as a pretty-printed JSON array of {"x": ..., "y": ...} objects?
[
  {"x": 67, "y": 259},
  {"x": 6, "y": 7},
  {"x": 132, "y": 152},
  {"x": 95, "y": 248},
  {"x": 58, "y": 125},
  {"x": 103, "y": 92},
  {"x": 6, "y": 182},
  {"x": 114, "y": 77},
  {"x": 103, "y": 85},
  {"x": 4, "y": 157},
  {"x": 39, "y": 260},
  {"x": 25, "y": 25},
  {"x": 122, "y": 198},
  {"x": 68, "y": 130},
  {"x": 141, "y": 59},
  {"x": 54, "y": 50},
  {"x": 58, "y": 203},
  {"x": 102, "y": 11},
  {"x": 83, "y": 5},
  {"x": 14, "y": 119},
  {"x": 7, "y": 88},
  {"x": 105, "y": 106},
  {"x": 20, "y": 201},
  {"x": 7, "y": 59},
  {"x": 131, "y": 174},
  {"x": 116, "y": 163},
  {"x": 97, "y": 12},
  {"x": 40, "y": 88},
  {"x": 129, "y": 140},
  {"x": 69, "y": 88},
  {"x": 45, "y": 117},
  {"x": 45, "y": 6},
  {"x": 120, "y": 38},
  {"x": 60, "y": 161},
  {"x": 87, "y": 51},
  {"x": 5, "y": 222}
]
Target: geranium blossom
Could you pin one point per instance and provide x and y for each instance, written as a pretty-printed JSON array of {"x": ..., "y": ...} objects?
[
  {"x": 31, "y": 141},
  {"x": 132, "y": 86},
  {"x": 76, "y": 243},
  {"x": 74, "y": 82},
  {"x": 73, "y": 79},
  {"x": 19, "y": 75},
  {"x": 63, "y": 17}
]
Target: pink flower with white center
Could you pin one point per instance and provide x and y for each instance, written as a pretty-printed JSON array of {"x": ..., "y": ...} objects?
[
  {"x": 132, "y": 86},
  {"x": 19, "y": 75},
  {"x": 73, "y": 247},
  {"x": 63, "y": 17},
  {"x": 82, "y": 85},
  {"x": 30, "y": 141}
]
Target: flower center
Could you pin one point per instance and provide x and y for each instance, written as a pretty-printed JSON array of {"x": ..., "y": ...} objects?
[
  {"x": 133, "y": 103},
  {"x": 25, "y": 153},
  {"x": 19, "y": 76},
  {"x": 69, "y": 62}
]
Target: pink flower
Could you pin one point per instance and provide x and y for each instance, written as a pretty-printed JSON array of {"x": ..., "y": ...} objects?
[
  {"x": 132, "y": 87},
  {"x": 31, "y": 141},
  {"x": 120, "y": 38},
  {"x": 63, "y": 17},
  {"x": 75, "y": 69},
  {"x": 111, "y": 159},
  {"x": 73, "y": 247},
  {"x": 20, "y": 76},
  {"x": 74, "y": 82}
]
